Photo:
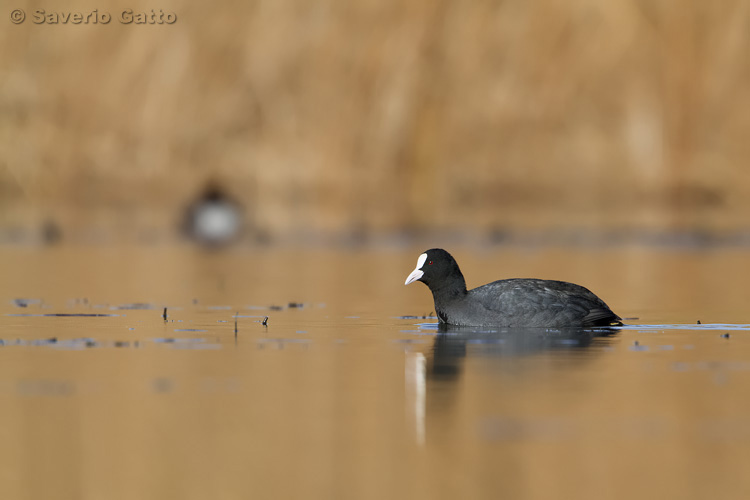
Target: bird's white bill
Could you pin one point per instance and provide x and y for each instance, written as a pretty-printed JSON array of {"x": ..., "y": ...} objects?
[
  {"x": 417, "y": 273},
  {"x": 414, "y": 276}
]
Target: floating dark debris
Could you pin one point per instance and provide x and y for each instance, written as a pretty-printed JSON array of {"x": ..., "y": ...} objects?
[
  {"x": 26, "y": 302},
  {"x": 49, "y": 341},
  {"x": 265, "y": 321},
  {"x": 275, "y": 307},
  {"x": 175, "y": 340},
  {"x": 164, "y": 314},
  {"x": 725, "y": 335},
  {"x": 698, "y": 322},
  {"x": 430, "y": 316},
  {"x": 187, "y": 343},
  {"x": 638, "y": 347},
  {"x": 83, "y": 315},
  {"x": 74, "y": 344}
]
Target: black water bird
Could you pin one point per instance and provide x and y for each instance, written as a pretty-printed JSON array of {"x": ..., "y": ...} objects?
[{"x": 510, "y": 302}]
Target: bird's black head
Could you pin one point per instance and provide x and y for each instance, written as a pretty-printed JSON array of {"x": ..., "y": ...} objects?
[{"x": 437, "y": 269}]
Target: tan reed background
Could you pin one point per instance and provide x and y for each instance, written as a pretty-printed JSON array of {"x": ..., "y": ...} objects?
[{"x": 381, "y": 117}]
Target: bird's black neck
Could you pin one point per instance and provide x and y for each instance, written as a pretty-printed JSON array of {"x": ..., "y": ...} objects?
[{"x": 448, "y": 290}]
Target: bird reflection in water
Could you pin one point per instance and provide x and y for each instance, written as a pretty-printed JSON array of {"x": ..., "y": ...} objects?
[
  {"x": 443, "y": 363},
  {"x": 450, "y": 345}
]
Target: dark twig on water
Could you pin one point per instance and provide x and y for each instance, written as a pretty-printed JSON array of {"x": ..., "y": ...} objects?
[
  {"x": 164, "y": 315},
  {"x": 265, "y": 321},
  {"x": 235, "y": 324}
]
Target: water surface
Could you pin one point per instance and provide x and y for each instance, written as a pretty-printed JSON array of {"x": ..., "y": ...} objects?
[{"x": 350, "y": 390}]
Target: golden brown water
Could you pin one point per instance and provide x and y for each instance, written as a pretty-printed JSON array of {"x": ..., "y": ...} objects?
[{"x": 341, "y": 398}]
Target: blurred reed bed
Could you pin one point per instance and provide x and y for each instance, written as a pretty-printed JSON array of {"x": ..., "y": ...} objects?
[{"x": 382, "y": 117}]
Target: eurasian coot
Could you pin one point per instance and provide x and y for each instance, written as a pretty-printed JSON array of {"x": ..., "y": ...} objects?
[{"x": 507, "y": 303}]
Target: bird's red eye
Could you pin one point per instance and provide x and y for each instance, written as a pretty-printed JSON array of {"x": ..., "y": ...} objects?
[{"x": 429, "y": 263}]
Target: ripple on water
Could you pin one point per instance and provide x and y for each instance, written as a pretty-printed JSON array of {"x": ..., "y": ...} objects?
[
  {"x": 70, "y": 344},
  {"x": 135, "y": 306},
  {"x": 66, "y": 315},
  {"x": 696, "y": 327}
]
